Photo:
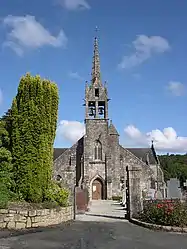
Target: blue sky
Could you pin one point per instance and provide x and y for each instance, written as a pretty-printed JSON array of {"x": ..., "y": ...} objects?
[{"x": 143, "y": 58}]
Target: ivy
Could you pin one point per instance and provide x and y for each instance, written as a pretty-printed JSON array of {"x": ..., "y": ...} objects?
[{"x": 33, "y": 118}]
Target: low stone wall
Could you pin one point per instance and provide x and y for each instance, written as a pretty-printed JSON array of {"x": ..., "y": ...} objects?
[{"x": 21, "y": 219}]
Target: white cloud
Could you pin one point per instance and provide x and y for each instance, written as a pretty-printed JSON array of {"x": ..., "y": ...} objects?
[
  {"x": 165, "y": 141},
  {"x": 144, "y": 47},
  {"x": 75, "y": 76},
  {"x": 176, "y": 88},
  {"x": 1, "y": 97},
  {"x": 70, "y": 130},
  {"x": 27, "y": 33},
  {"x": 74, "y": 4}
]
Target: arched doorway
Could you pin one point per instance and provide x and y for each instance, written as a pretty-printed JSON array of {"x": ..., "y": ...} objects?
[{"x": 97, "y": 189}]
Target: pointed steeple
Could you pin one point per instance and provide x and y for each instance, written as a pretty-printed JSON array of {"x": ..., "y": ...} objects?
[
  {"x": 152, "y": 144},
  {"x": 112, "y": 129},
  {"x": 96, "y": 73},
  {"x": 154, "y": 152}
]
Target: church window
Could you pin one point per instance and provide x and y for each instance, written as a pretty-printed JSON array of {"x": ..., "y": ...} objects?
[
  {"x": 152, "y": 183},
  {"x": 98, "y": 151},
  {"x": 92, "y": 109},
  {"x": 101, "y": 108},
  {"x": 58, "y": 178},
  {"x": 96, "y": 92}
]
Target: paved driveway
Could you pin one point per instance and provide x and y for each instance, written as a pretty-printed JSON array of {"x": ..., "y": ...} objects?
[
  {"x": 90, "y": 232},
  {"x": 107, "y": 208}
]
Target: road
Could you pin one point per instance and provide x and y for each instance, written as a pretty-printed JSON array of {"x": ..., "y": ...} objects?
[{"x": 89, "y": 232}]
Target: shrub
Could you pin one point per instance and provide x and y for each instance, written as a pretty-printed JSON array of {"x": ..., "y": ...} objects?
[
  {"x": 165, "y": 213},
  {"x": 117, "y": 198},
  {"x": 7, "y": 196},
  {"x": 56, "y": 194},
  {"x": 4, "y": 196},
  {"x": 50, "y": 205}
]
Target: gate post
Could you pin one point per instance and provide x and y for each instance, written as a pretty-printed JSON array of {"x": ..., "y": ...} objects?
[
  {"x": 133, "y": 196},
  {"x": 74, "y": 203},
  {"x": 128, "y": 215}
]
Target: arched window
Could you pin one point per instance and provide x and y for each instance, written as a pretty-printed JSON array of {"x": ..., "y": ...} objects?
[
  {"x": 152, "y": 183},
  {"x": 58, "y": 178},
  {"x": 98, "y": 151}
]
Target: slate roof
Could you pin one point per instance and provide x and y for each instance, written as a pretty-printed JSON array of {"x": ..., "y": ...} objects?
[
  {"x": 57, "y": 152},
  {"x": 142, "y": 154}
]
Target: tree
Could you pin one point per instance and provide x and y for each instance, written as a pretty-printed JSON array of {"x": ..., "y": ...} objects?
[
  {"x": 174, "y": 166},
  {"x": 5, "y": 156},
  {"x": 33, "y": 119},
  {"x": 6, "y": 179}
]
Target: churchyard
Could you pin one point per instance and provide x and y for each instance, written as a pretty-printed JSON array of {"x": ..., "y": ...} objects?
[{"x": 29, "y": 197}]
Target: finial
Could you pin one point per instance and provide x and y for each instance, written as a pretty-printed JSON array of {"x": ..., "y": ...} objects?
[
  {"x": 96, "y": 32},
  {"x": 152, "y": 143}
]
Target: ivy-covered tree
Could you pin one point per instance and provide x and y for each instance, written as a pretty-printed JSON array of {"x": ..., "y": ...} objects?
[
  {"x": 5, "y": 156},
  {"x": 6, "y": 177},
  {"x": 33, "y": 119}
]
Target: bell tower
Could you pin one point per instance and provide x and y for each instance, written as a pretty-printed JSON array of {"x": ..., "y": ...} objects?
[
  {"x": 96, "y": 139},
  {"x": 96, "y": 99}
]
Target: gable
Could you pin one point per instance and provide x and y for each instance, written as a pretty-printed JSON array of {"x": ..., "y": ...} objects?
[{"x": 57, "y": 152}]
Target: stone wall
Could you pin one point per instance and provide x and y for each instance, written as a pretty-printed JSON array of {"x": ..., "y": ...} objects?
[
  {"x": 21, "y": 219},
  {"x": 68, "y": 167}
]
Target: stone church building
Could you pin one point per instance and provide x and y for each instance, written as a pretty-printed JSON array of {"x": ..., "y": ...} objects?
[{"x": 97, "y": 161}]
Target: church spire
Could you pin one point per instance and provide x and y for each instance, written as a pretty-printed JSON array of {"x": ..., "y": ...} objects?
[{"x": 96, "y": 73}]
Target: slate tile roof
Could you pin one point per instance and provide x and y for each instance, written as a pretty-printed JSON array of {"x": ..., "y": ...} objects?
[
  {"x": 142, "y": 154},
  {"x": 57, "y": 152}
]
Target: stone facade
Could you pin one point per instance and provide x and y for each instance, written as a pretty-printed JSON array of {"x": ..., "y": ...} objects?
[
  {"x": 21, "y": 219},
  {"x": 98, "y": 161}
]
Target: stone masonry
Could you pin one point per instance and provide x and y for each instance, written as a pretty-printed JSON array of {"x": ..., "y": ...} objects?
[
  {"x": 21, "y": 219},
  {"x": 97, "y": 161}
]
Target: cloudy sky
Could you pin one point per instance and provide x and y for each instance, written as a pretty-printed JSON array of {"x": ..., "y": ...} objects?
[{"x": 143, "y": 58}]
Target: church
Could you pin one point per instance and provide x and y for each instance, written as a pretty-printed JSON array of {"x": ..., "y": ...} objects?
[{"x": 97, "y": 161}]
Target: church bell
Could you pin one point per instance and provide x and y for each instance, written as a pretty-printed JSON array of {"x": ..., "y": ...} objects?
[
  {"x": 101, "y": 110},
  {"x": 91, "y": 111}
]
